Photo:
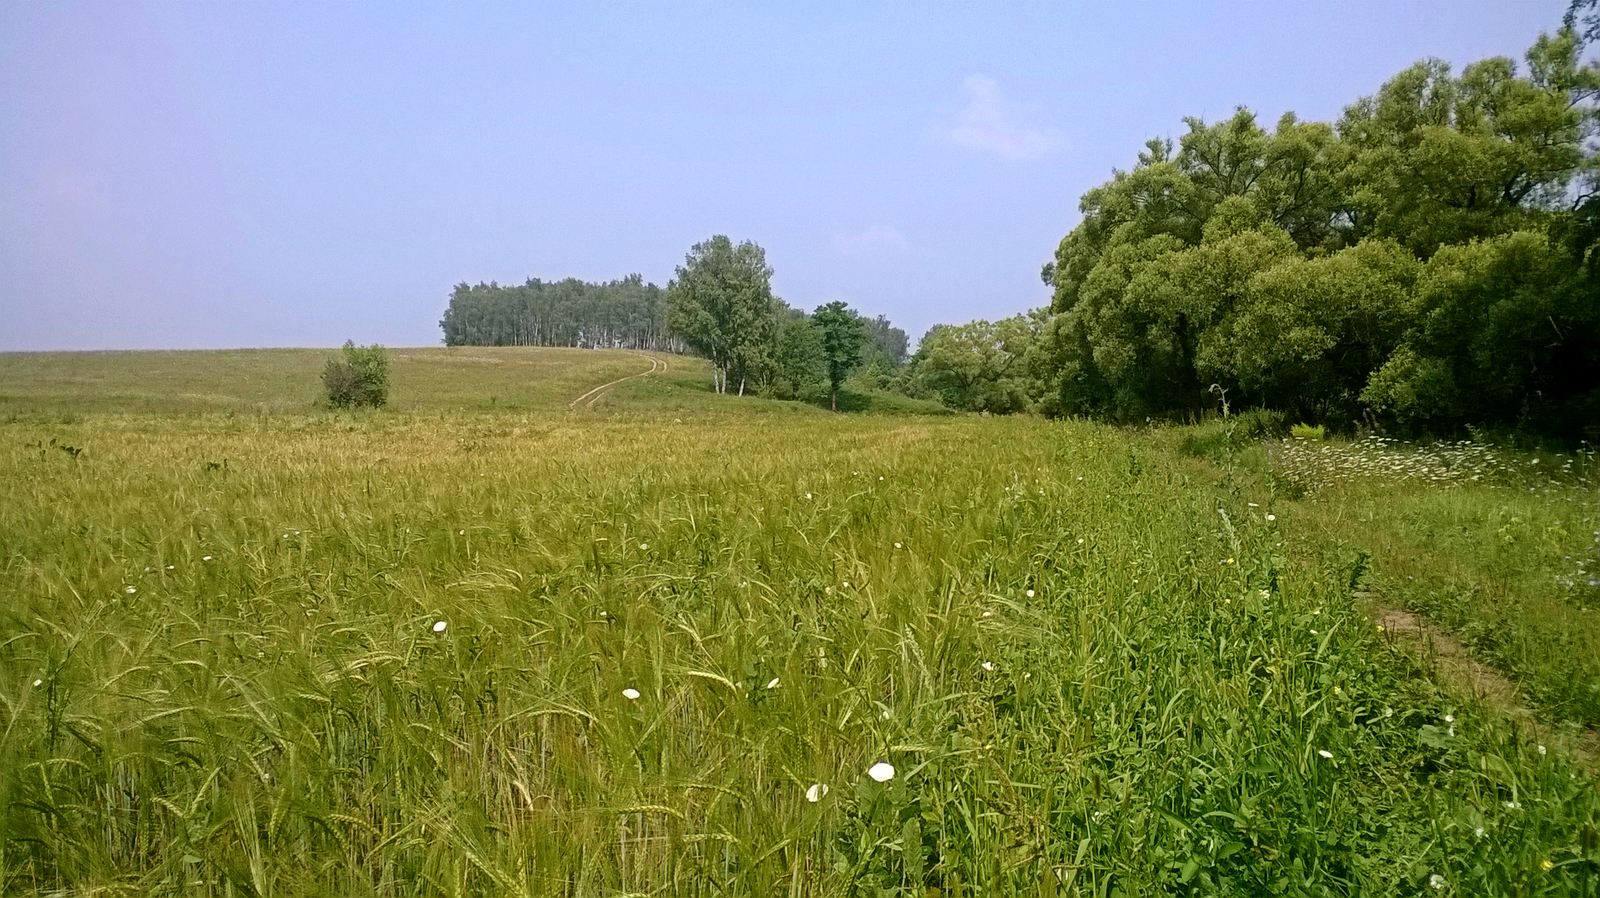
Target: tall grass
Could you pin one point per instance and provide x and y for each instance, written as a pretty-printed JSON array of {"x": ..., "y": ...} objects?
[{"x": 222, "y": 670}]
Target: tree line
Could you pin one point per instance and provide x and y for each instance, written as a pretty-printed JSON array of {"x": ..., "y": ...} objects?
[
  {"x": 622, "y": 314},
  {"x": 1428, "y": 262}
]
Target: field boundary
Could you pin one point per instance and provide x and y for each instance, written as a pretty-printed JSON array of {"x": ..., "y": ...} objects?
[
  {"x": 1454, "y": 669},
  {"x": 596, "y": 394}
]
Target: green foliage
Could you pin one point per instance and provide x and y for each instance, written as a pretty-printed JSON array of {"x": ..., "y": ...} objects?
[
  {"x": 840, "y": 334},
  {"x": 797, "y": 366},
  {"x": 721, "y": 304},
  {"x": 625, "y": 314},
  {"x": 1419, "y": 263},
  {"x": 982, "y": 366},
  {"x": 1314, "y": 432},
  {"x": 359, "y": 378}
]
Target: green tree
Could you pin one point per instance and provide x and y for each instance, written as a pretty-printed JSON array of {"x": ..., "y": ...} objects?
[
  {"x": 721, "y": 304},
  {"x": 842, "y": 336},
  {"x": 796, "y": 370},
  {"x": 360, "y": 377}
]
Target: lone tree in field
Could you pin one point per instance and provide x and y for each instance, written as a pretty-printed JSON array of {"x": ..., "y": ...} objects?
[
  {"x": 721, "y": 305},
  {"x": 360, "y": 377},
  {"x": 843, "y": 336}
]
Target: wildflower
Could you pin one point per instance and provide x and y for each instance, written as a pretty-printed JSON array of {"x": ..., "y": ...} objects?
[
  {"x": 439, "y": 626},
  {"x": 1478, "y": 833},
  {"x": 897, "y": 545},
  {"x": 461, "y": 533},
  {"x": 38, "y": 683},
  {"x": 772, "y": 683},
  {"x": 847, "y": 584},
  {"x": 644, "y": 547},
  {"x": 170, "y": 567},
  {"x": 631, "y": 694},
  {"x": 1325, "y": 753},
  {"x": 988, "y": 613},
  {"x": 1449, "y": 718},
  {"x": 1080, "y": 539},
  {"x": 1546, "y": 866},
  {"x": 987, "y": 665},
  {"x": 1029, "y": 593},
  {"x": 882, "y": 771},
  {"x": 131, "y": 590},
  {"x": 1541, "y": 751},
  {"x": 1313, "y": 632},
  {"x": 1513, "y": 806},
  {"x": 205, "y": 558},
  {"x": 808, "y": 495},
  {"x": 1229, "y": 561},
  {"x": 1437, "y": 882},
  {"x": 1272, "y": 517},
  {"x": 816, "y": 792}
]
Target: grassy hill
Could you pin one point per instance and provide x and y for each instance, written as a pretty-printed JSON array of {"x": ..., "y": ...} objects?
[{"x": 484, "y": 643}]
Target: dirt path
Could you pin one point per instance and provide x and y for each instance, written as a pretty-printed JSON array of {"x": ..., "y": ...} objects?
[
  {"x": 1455, "y": 670},
  {"x": 599, "y": 392}
]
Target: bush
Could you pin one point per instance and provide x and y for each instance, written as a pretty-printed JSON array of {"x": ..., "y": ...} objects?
[
  {"x": 359, "y": 378},
  {"x": 1317, "y": 433}
]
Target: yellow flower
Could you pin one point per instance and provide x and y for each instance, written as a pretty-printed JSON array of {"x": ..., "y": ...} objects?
[{"x": 1545, "y": 865}]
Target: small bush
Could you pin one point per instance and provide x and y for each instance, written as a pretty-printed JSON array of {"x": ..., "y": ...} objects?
[
  {"x": 359, "y": 378},
  {"x": 1316, "y": 433}
]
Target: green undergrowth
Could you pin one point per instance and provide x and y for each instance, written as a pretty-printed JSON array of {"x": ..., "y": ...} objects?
[
  {"x": 1502, "y": 547},
  {"x": 395, "y": 654}
]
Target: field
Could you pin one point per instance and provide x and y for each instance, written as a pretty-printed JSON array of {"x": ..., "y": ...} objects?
[{"x": 492, "y": 643}]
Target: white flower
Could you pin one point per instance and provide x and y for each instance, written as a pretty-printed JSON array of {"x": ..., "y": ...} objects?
[
  {"x": 631, "y": 694},
  {"x": 815, "y": 793},
  {"x": 1541, "y": 751},
  {"x": 1272, "y": 517},
  {"x": 987, "y": 665},
  {"x": 1325, "y": 753},
  {"x": 882, "y": 771},
  {"x": 897, "y": 545},
  {"x": 1080, "y": 539},
  {"x": 1029, "y": 593},
  {"x": 808, "y": 495},
  {"x": 461, "y": 533},
  {"x": 1449, "y": 718},
  {"x": 205, "y": 558},
  {"x": 1437, "y": 882},
  {"x": 1513, "y": 806},
  {"x": 439, "y": 626},
  {"x": 644, "y": 547},
  {"x": 988, "y": 613},
  {"x": 773, "y": 683},
  {"x": 847, "y": 584},
  {"x": 38, "y": 683},
  {"x": 1478, "y": 832},
  {"x": 131, "y": 590},
  {"x": 170, "y": 567}
]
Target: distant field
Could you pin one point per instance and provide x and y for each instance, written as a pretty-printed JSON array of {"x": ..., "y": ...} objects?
[
  {"x": 289, "y": 380},
  {"x": 466, "y": 647}
]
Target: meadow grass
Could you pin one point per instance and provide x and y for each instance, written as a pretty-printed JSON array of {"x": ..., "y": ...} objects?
[{"x": 541, "y": 652}]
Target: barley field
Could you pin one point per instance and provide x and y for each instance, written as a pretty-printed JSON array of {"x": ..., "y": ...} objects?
[{"x": 492, "y": 643}]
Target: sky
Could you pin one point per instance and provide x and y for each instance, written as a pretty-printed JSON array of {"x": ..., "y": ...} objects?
[{"x": 243, "y": 174}]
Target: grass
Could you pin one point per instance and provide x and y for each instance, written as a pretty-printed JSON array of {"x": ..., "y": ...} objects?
[{"x": 1095, "y": 668}]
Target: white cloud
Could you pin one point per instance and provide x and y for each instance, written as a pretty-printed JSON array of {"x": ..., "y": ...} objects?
[
  {"x": 995, "y": 123},
  {"x": 878, "y": 238}
]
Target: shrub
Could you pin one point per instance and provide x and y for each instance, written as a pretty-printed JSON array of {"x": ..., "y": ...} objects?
[
  {"x": 359, "y": 378},
  {"x": 1309, "y": 432}
]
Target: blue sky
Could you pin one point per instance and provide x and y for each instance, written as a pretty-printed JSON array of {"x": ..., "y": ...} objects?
[{"x": 190, "y": 175}]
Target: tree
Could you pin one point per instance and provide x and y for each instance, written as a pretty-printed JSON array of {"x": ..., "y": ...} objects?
[
  {"x": 842, "y": 336},
  {"x": 359, "y": 378},
  {"x": 721, "y": 304},
  {"x": 796, "y": 370}
]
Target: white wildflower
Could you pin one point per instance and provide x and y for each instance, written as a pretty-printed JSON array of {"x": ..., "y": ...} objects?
[
  {"x": 1325, "y": 753},
  {"x": 816, "y": 792},
  {"x": 1029, "y": 593},
  {"x": 1437, "y": 882},
  {"x": 631, "y": 694},
  {"x": 987, "y": 665},
  {"x": 439, "y": 626},
  {"x": 1272, "y": 517},
  {"x": 38, "y": 683},
  {"x": 773, "y": 683},
  {"x": 882, "y": 771},
  {"x": 1541, "y": 751},
  {"x": 205, "y": 558},
  {"x": 644, "y": 547}
]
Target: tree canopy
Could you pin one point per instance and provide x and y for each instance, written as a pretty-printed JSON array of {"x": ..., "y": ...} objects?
[{"x": 622, "y": 314}]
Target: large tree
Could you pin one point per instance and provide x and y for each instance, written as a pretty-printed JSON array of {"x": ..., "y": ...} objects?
[
  {"x": 721, "y": 304},
  {"x": 842, "y": 336}
]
